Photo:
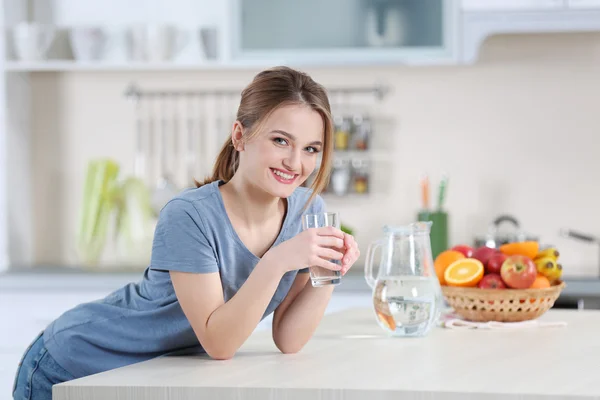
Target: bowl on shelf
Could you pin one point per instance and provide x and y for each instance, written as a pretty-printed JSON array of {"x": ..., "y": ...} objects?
[{"x": 502, "y": 305}]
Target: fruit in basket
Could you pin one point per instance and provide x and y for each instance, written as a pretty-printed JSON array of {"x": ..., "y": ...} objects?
[
  {"x": 541, "y": 282},
  {"x": 466, "y": 272},
  {"x": 491, "y": 281},
  {"x": 443, "y": 260},
  {"x": 463, "y": 248},
  {"x": 494, "y": 264},
  {"x": 528, "y": 249},
  {"x": 549, "y": 267},
  {"x": 549, "y": 252},
  {"x": 484, "y": 254},
  {"x": 518, "y": 271}
]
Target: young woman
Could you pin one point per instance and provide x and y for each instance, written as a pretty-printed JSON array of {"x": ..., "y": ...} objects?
[{"x": 225, "y": 254}]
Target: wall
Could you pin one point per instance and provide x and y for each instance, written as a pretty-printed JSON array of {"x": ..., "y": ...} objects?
[{"x": 517, "y": 133}]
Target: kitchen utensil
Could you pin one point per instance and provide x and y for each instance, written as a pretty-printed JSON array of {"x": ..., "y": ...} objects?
[
  {"x": 506, "y": 305},
  {"x": 165, "y": 189},
  {"x": 442, "y": 192},
  {"x": 139, "y": 159},
  {"x": 425, "y": 192},
  {"x": 494, "y": 238},
  {"x": 406, "y": 293},
  {"x": 191, "y": 145},
  {"x": 320, "y": 276}
]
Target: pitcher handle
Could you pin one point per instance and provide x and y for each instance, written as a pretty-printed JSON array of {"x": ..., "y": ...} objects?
[{"x": 369, "y": 263}]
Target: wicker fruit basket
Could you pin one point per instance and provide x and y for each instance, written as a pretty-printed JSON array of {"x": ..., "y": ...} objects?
[{"x": 504, "y": 305}]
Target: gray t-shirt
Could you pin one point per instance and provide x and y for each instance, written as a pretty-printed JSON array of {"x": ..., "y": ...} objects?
[{"x": 144, "y": 320}]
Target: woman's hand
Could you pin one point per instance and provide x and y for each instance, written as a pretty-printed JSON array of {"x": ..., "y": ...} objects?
[
  {"x": 351, "y": 253},
  {"x": 310, "y": 248}
]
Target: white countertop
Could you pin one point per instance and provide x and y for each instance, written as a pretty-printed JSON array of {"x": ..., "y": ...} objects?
[
  {"x": 349, "y": 357},
  {"x": 59, "y": 279}
]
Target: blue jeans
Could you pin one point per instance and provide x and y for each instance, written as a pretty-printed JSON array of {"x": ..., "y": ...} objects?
[{"x": 37, "y": 372}]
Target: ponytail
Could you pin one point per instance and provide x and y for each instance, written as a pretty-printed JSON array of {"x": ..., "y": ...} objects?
[{"x": 225, "y": 166}]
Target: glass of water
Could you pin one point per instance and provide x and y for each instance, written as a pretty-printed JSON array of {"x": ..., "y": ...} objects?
[{"x": 320, "y": 276}]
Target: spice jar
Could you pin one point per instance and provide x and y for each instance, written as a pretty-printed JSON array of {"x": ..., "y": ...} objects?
[
  {"x": 360, "y": 176},
  {"x": 340, "y": 177},
  {"x": 342, "y": 132},
  {"x": 361, "y": 132}
]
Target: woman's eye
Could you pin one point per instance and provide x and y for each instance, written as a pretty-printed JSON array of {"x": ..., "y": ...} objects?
[
  {"x": 280, "y": 140},
  {"x": 311, "y": 149}
]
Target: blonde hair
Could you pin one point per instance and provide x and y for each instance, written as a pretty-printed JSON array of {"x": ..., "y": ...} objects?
[{"x": 269, "y": 90}]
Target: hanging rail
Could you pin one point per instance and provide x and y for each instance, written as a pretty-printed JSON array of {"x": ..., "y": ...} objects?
[{"x": 134, "y": 92}]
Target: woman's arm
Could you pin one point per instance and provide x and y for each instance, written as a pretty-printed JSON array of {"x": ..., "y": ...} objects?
[
  {"x": 299, "y": 314},
  {"x": 223, "y": 327}
]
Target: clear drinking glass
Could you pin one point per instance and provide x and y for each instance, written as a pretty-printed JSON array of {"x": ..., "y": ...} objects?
[{"x": 320, "y": 276}]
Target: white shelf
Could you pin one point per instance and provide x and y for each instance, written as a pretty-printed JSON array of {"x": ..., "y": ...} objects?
[{"x": 99, "y": 66}]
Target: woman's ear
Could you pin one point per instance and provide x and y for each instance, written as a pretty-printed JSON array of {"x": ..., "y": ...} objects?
[{"x": 236, "y": 136}]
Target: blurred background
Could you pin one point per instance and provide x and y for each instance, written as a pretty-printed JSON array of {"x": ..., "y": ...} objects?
[{"x": 479, "y": 114}]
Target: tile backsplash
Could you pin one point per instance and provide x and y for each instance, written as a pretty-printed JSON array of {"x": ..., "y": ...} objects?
[{"x": 516, "y": 133}]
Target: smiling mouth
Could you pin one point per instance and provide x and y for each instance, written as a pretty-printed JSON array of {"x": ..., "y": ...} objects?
[{"x": 283, "y": 177}]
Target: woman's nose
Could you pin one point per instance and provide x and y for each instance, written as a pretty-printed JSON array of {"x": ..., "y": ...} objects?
[{"x": 293, "y": 161}]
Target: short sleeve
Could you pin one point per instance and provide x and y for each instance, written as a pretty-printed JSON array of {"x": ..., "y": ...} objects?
[
  {"x": 318, "y": 206},
  {"x": 180, "y": 243}
]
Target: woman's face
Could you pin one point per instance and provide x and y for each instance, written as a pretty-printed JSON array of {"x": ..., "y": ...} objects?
[{"x": 284, "y": 154}]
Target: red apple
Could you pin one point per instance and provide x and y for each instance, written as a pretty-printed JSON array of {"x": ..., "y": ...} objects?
[
  {"x": 518, "y": 272},
  {"x": 484, "y": 254},
  {"x": 491, "y": 281},
  {"x": 463, "y": 248},
  {"x": 495, "y": 263}
]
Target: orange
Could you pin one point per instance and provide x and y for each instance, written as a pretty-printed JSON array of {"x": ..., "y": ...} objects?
[
  {"x": 529, "y": 249},
  {"x": 443, "y": 260},
  {"x": 540, "y": 282},
  {"x": 465, "y": 272}
]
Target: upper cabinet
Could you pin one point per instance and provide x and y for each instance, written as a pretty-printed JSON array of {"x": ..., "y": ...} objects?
[
  {"x": 344, "y": 32},
  {"x": 197, "y": 34},
  {"x": 504, "y": 5},
  {"x": 481, "y": 19}
]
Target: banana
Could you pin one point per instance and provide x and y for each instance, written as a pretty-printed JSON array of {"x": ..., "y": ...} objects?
[
  {"x": 549, "y": 267},
  {"x": 549, "y": 252}
]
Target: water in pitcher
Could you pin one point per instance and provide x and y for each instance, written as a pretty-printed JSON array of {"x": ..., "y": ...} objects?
[{"x": 406, "y": 305}]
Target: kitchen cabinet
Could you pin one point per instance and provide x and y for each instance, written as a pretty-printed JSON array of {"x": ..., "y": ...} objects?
[
  {"x": 479, "y": 5},
  {"x": 344, "y": 32},
  {"x": 584, "y": 4},
  {"x": 480, "y": 21}
]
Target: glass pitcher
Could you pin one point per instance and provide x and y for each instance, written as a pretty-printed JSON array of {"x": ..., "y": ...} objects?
[{"x": 407, "y": 296}]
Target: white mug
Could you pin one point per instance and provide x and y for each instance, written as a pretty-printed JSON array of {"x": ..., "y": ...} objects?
[
  {"x": 88, "y": 43},
  {"x": 156, "y": 42},
  {"x": 32, "y": 40}
]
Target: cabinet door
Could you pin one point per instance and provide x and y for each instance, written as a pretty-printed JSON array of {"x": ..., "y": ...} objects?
[
  {"x": 483, "y": 5},
  {"x": 583, "y": 4},
  {"x": 342, "y": 31}
]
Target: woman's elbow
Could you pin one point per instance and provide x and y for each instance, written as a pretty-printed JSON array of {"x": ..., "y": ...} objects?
[
  {"x": 220, "y": 354},
  {"x": 289, "y": 348}
]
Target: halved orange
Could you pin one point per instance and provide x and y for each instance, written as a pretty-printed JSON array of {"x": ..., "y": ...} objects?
[{"x": 466, "y": 272}]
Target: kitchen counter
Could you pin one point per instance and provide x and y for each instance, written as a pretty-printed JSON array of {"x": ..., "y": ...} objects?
[
  {"x": 64, "y": 278},
  {"x": 350, "y": 357}
]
